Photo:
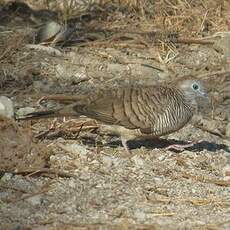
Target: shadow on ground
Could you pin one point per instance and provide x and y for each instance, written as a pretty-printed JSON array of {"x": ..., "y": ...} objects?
[{"x": 163, "y": 143}]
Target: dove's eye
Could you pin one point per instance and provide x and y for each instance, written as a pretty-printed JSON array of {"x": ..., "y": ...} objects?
[{"x": 195, "y": 86}]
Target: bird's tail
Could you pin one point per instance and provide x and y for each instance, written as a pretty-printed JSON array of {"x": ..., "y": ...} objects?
[{"x": 65, "y": 111}]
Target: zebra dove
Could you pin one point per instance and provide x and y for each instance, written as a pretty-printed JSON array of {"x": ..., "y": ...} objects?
[{"x": 137, "y": 111}]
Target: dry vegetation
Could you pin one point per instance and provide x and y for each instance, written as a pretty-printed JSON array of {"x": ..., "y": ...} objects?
[{"x": 62, "y": 174}]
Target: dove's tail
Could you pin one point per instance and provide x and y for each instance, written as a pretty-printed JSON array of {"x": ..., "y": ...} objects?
[{"x": 62, "y": 112}]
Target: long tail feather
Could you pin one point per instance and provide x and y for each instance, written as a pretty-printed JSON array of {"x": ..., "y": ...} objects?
[
  {"x": 39, "y": 115},
  {"x": 65, "y": 111}
]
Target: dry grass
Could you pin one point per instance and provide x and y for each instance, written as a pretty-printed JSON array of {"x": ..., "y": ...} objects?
[
  {"x": 186, "y": 16},
  {"x": 180, "y": 15},
  {"x": 143, "y": 23},
  {"x": 158, "y": 21}
]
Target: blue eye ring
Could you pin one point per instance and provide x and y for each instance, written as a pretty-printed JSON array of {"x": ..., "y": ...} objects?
[{"x": 195, "y": 86}]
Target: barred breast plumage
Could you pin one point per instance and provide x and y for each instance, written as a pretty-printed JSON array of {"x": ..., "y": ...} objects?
[{"x": 137, "y": 111}]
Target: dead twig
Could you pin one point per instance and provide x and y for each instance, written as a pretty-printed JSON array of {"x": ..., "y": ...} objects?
[
  {"x": 206, "y": 180},
  {"x": 32, "y": 172},
  {"x": 208, "y": 75},
  {"x": 213, "y": 132},
  {"x": 192, "y": 200},
  {"x": 12, "y": 188},
  {"x": 194, "y": 41},
  {"x": 48, "y": 49},
  {"x": 28, "y": 196}
]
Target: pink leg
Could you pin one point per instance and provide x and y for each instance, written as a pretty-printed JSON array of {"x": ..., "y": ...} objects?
[
  {"x": 181, "y": 146},
  {"x": 124, "y": 143}
]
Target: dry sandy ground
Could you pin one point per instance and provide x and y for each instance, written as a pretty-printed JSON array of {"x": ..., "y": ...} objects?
[{"x": 58, "y": 174}]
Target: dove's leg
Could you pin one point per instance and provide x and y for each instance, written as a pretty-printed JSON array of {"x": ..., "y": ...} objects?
[
  {"x": 125, "y": 145},
  {"x": 125, "y": 134}
]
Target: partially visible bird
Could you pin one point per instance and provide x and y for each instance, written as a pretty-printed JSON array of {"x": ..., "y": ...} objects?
[{"x": 137, "y": 111}]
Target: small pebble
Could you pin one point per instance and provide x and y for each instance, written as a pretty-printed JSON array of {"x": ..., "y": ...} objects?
[
  {"x": 35, "y": 200},
  {"x": 7, "y": 177},
  {"x": 107, "y": 161},
  {"x": 139, "y": 162}
]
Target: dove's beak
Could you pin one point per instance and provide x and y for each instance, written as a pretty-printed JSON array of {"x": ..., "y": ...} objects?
[{"x": 205, "y": 95}]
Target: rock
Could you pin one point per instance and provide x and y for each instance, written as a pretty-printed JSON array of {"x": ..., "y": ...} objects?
[
  {"x": 35, "y": 200},
  {"x": 227, "y": 130},
  {"x": 116, "y": 68},
  {"x": 6, "y": 107},
  {"x": 107, "y": 161},
  {"x": 140, "y": 215},
  {"x": 226, "y": 172},
  {"x": 53, "y": 33},
  {"x": 112, "y": 161},
  {"x": 75, "y": 149},
  {"x": 47, "y": 32},
  {"x": 6, "y": 177},
  {"x": 72, "y": 183},
  {"x": 138, "y": 161},
  {"x": 162, "y": 157},
  {"x": 23, "y": 111}
]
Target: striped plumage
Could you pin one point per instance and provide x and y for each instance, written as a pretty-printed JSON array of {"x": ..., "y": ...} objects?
[
  {"x": 158, "y": 112},
  {"x": 137, "y": 111}
]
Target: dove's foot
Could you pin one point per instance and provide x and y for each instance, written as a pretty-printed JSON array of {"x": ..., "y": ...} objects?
[
  {"x": 125, "y": 145},
  {"x": 180, "y": 147}
]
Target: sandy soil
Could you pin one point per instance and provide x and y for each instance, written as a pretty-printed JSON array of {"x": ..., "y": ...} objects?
[{"x": 58, "y": 174}]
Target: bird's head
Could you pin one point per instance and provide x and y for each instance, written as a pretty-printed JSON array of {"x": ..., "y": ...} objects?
[{"x": 193, "y": 89}]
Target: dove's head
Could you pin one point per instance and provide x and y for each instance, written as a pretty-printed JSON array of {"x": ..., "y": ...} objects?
[{"x": 193, "y": 89}]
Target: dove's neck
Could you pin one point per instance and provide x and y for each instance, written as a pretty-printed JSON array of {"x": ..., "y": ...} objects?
[{"x": 190, "y": 100}]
